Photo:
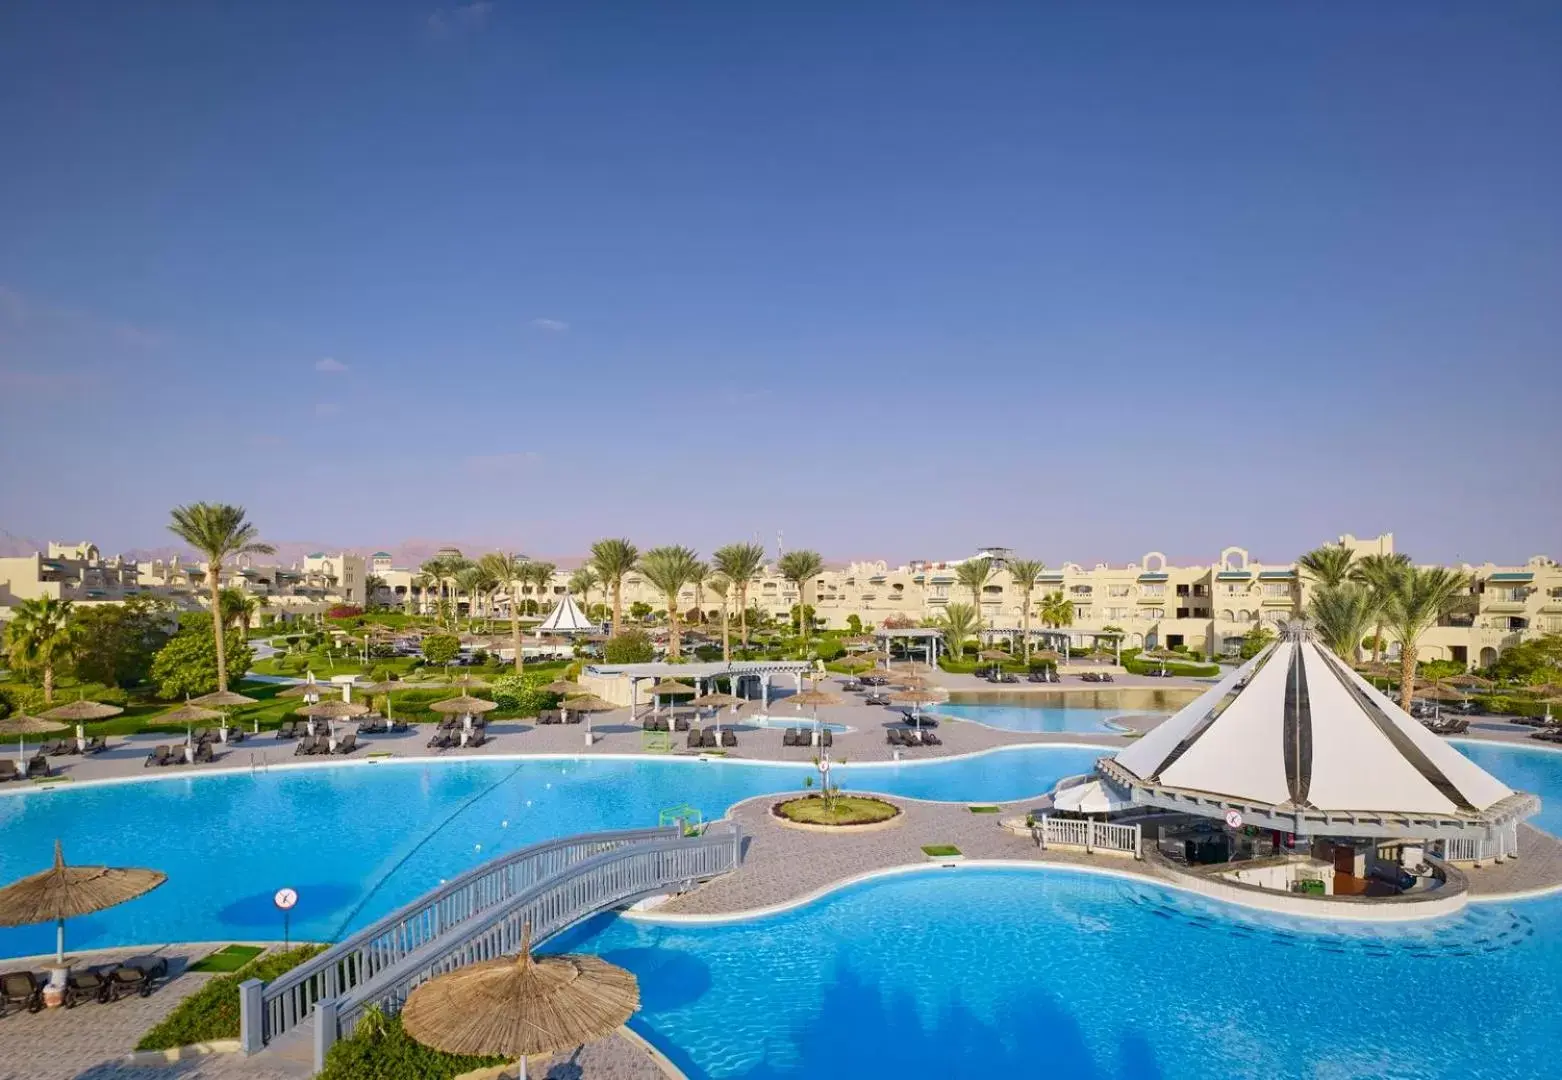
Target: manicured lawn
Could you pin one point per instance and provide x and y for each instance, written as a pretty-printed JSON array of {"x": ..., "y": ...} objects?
[
  {"x": 229, "y": 959},
  {"x": 847, "y": 810},
  {"x": 982, "y": 809},
  {"x": 940, "y": 851}
]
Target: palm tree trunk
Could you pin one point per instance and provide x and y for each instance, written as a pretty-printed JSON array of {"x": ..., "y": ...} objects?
[
  {"x": 48, "y": 683},
  {"x": 1407, "y": 673},
  {"x": 743, "y": 615},
  {"x": 1025, "y": 627},
  {"x": 726, "y": 631},
  {"x": 515, "y": 626},
  {"x": 1377, "y": 644},
  {"x": 674, "y": 651},
  {"x": 212, "y": 579},
  {"x": 618, "y": 606}
]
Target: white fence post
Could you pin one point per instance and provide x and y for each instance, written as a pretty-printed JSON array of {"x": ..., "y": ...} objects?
[
  {"x": 251, "y": 1039},
  {"x": 325, "y": 1031}
]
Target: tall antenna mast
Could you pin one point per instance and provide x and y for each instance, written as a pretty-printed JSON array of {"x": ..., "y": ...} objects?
[{"x": 780, "y": 548}]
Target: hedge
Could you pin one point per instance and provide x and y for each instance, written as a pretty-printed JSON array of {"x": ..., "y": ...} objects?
[
  {"x": 381, "y": 1049},
  {"x": 212, "y": 1012}
]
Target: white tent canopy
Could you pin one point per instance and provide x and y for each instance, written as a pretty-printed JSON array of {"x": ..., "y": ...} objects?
[
  {"x": 1091, "y": 797},
  {"x": 566, "y": 618},
  {"x": 1296, "y": 727}
]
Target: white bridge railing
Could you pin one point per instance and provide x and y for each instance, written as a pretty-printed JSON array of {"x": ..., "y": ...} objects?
[
  {"x": 1467, "y": 849},
  {"x": 475, "y": 917},
  {"x": 1093, "y": 836}
]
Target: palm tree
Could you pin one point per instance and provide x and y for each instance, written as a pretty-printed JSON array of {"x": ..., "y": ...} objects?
[
  {"x": 238, "y": 609},
  {"x": 801, "y": 567},
  {"x": 740, "y": 564},
  {"x": 612, "y": 559},
  {"x": 670, "y": 569},
  {"x": 217, "y": 531},
  {"x": 470, "y": 579},
  {"x": 508, "y": 568},
  {"x": 1380, "y": 574},
  {"x": 38, "y": 638},
  {"x": 1025, "y": 572},
  {"x": 719, "y": 585},
  {"x": 974, "y": 574},
  {"x": 434, "y": 573},
  {"x": 371, "y": 585},
  {"x": 1421, "y": 596},
  {"x": 1343, "y": 613},
  {"x": 1056, "y": 611},
  {"x": 540, "y": 577},
  {"x": 582, "y": 581},
  {"x": 958, "y": 623},
  {"x": 1328, "y": 566}
]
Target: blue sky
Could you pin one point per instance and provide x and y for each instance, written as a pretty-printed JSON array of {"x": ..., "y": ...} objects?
[{"x": 898, "y": 279}]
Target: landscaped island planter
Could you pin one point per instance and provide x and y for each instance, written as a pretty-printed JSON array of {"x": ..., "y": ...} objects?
[{"x": 850, "y": 813}]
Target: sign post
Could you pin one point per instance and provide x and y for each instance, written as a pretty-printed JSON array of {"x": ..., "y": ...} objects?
[{"x": 285, "y": 899}]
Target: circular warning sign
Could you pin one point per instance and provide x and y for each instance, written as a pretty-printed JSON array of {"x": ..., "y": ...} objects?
[
  {"x": 285, "y": 898},
  {"x": 1233, "y": 819}
]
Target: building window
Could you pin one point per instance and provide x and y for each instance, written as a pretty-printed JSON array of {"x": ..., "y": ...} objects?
[
  {"x": 1113, "y": 591},
  {"x": 1146, "y": 590}
]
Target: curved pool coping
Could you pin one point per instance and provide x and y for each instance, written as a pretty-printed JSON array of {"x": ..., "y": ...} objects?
[
  {"x": 813, "y": 896},
  {"x": 1115, "y": 729},
  {"x": 687, "y": 759}
]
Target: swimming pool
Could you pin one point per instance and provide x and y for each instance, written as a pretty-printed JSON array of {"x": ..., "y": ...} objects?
[
  {"x": 1524, "y": 768},
  {"x": 228, "y": 842},
  {"x": 1081, "y": 712},
  {"x": 1014, "y": 972}
]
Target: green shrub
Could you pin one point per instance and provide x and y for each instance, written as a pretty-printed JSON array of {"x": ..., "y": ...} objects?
[
  {"x": 522, "y": 695},
  {"x": 830, "y": 650},
  {"x": 212, "y": 1012},
  {"x": 630, "y": 647},
  {"x": 381, "y": 1049}
]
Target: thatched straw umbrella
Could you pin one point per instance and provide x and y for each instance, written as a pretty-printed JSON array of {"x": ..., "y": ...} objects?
[
  {"x": 78, "y": 711},
  {"x": 190, "y": 713},
  {"x": 716, "y": 701},
  {"x": 586, "y": 704},
  {"x": 466, "y": 707},
  {"x": 1469, "y": 681},
  {"x": 521, "y": 1006},
  {"x": 386, "y": 687},
  {"x": 667, "y": 688},
  {"x": 999, "y": 655},
  {"x": 564, "y": 686},
  {"x": 222, "y": 699},
  {"x": 21, "y": 726},
  {"x": 914, "y": 667},
  {"x": 64, "y": 892},
  {"x": 814, "y": 697},
  {"x": 330, "y": 712},
  {"x": 916, "y": 698},
  {"x": 310, "y": 689}
]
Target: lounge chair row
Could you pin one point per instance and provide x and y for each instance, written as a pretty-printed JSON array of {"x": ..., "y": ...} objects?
[
  {"x": 378, "y": 725},
  {"x": 707, "y": 739},
  {"x": 37, "y": 765},
  {"x": 801, "y": 736},
  {"x": 556, "y": 716},
  {"x": 659, "y": 723},
  {"x": 214, "y": 735},
  {"x": 1448, "y": 725},
  {"x": 1097, "y": 676},
  {"x": 451, "y": 740},
  {"x": 174, "y": 755},
  {"x": 908, "y": 737},
  {"x": 1043, "y": 677},
  {"x": 1547, "y": 735},
  {"x": 106, "y": 982},
  {"x": 996, "y": 676},
  {"x": 64, "y": 747},
  {"x": 315, "y": 745}
]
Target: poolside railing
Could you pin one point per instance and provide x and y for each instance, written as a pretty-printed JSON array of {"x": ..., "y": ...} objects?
[
  {"x": 1467, "y": 849},
  {"x": 1093, "y": 836},
  {"x": 274, "y": 1008},
  {"x": 609, "y": 879}
]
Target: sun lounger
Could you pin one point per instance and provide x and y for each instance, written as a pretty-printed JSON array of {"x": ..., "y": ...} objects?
[
  {"x": 708, "y": 739},
  {"x": 931, "y": 739},
  {"x": 52, "y": 748},
  {"x": 158, "y": 757},
  {"x": 306, "y": 745},
  {"x": 475, "y": 738},
  {"x": 203, "y": 753},
  {"x": 96, "y": 745},
  {"x": 729, "y": 737},
  {"x": 8, "y": 770},
  {"x": 826, "y": 737},
  {"x": 288, "y": 730},
  {"x": 696, "y": 736},
  {"x": 139, "y": 976},
  {"x": 442, "y": 740},
  {"x": 21, "y": 990},
  {"x": 38, "y": 766},
  {"x": 876, "y": 699},
  {"x": 347, "y": 743},
  {"x": 201, "y": 735},
  {"x": 88, "y": 984}
]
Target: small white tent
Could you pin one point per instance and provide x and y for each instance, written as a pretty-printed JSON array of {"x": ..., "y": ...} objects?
[{"x": 566, "y": 618}]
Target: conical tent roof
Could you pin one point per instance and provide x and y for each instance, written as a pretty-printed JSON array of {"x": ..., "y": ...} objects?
[
  {"x": 1296, "y": 727},
  {"x": 566, "y": 618}
]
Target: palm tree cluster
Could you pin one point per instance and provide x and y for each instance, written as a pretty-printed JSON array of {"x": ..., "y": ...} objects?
[
  {"x": 39, "y": 639},
  {"x": 218, "y": 531},
  {"x": 1378, "y": 592}
]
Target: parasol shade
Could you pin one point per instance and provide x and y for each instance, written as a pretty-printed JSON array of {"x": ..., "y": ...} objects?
[
  {"x": 64, "y": 892},
  {"x": 77, "y": 711},
  {"x": 465, "y": 704},
  {"x": 588, "y": 703},
  {"x": 305, "y": 689},
  {"x": 994, "y": 654},
  {"x": 222, "y": 699},
  {"x": 670, "y": 688},
  {"x": 814, "y": 696},
  {"x": 1470, "y": 681},
  {"x": 1046, "y": 654},
  {"x": 333, "y": 710},
  {"x": 190, "y": 714},
  {"x": 519, "y": 1006},
  {"x": 564, "y": 686},
  {"x": 917, "y": 697},
  {"x": 29, "y": 725}
]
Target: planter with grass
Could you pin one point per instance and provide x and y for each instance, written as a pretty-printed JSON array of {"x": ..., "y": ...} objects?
[
  {"x": 852, "y": 813},
  {"x": 942, "y": 853}
]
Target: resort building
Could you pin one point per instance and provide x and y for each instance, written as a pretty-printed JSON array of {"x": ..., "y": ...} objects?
[{"x": 75, "y": 572}]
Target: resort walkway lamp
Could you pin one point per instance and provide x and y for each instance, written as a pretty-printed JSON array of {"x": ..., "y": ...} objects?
[
  {"x": 520, "y": 1006},
  {"x": 225, "y": 700},
  {"x": 65, "y": 892},
  {"x": 22, "y": 726}
]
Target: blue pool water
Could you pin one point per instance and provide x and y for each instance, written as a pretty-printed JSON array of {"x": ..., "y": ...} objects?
[
  {"x": 1524, "y": 768},
  {"x": 227, "y": 843},
  {"x": 1009, "y": 973},
  {"x": 1081, "y": 712}
]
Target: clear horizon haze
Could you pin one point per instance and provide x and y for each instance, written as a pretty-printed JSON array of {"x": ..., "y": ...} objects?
[{"x": 897, "y": 280}]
